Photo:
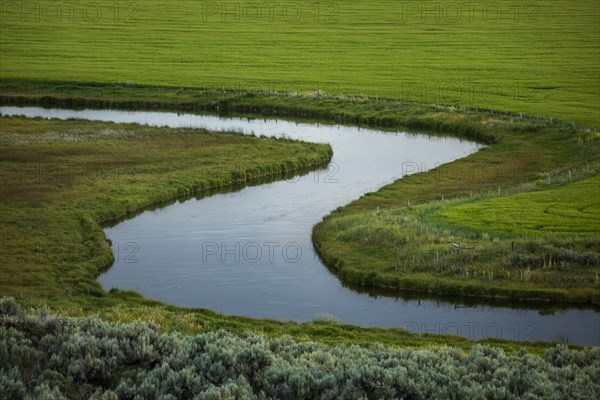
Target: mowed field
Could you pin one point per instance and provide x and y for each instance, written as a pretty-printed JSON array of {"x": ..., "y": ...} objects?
[
  {"x": 531, "y": 57},
  {"x": 569, "y": 210}
]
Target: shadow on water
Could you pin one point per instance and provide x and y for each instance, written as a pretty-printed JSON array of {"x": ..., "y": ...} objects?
[
  {"x": 458, "y": 302},
  {"x": 232, "y": 188}
]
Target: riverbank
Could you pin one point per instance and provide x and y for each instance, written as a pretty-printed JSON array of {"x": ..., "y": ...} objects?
[
  {"x": 453, "y": 246},
  {"x": 476, "y": 124},
  {"x": 60, "y": 179},
  {"x": 398, "y": 238},
  {"x": 523, "y": 154},
  {"x": 63, "y": 179}
]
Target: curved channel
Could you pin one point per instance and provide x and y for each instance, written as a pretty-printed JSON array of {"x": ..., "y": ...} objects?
[{"x": 249, "y": 252}]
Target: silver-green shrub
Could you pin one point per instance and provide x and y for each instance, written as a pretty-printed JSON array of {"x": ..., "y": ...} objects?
[{"x": 45, "y": 357}]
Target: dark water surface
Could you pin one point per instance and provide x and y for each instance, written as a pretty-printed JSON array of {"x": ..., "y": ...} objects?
[{"x": 249, "y": 252}]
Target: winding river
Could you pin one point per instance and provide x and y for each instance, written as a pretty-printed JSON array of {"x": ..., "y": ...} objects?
[{"x": 248, "y": 251}]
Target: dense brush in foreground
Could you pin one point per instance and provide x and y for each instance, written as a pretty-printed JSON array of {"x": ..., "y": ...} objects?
[{"x": 46, "y": 357}]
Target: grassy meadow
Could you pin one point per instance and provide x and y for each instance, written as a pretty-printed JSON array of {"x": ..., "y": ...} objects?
[{"x": 539, "y": 58}]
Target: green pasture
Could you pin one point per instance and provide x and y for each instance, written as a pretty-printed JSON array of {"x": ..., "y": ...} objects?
[
  {"x": 539, "y": 58},
  {"x": 572, "y": 209}
]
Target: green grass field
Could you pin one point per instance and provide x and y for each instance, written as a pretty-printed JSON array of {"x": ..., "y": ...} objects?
[
  {"x": 531, "y": 57},
  {"x": 573, "y": 209}
]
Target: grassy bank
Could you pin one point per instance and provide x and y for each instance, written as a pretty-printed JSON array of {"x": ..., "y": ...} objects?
[
  {"x": 531, "y": 57},
  {"x": 61, "y": 179},
  {"x": 526, "y": 229},
  {"x": 357, "y": 110},
  {"x": 475, "y": 247}
]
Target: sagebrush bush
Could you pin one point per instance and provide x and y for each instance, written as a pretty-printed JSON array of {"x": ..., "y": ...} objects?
[{"x": 44, "y": 357}]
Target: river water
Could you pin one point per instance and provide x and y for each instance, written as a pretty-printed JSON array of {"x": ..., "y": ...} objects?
[{"x": 248, "y": 251}]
